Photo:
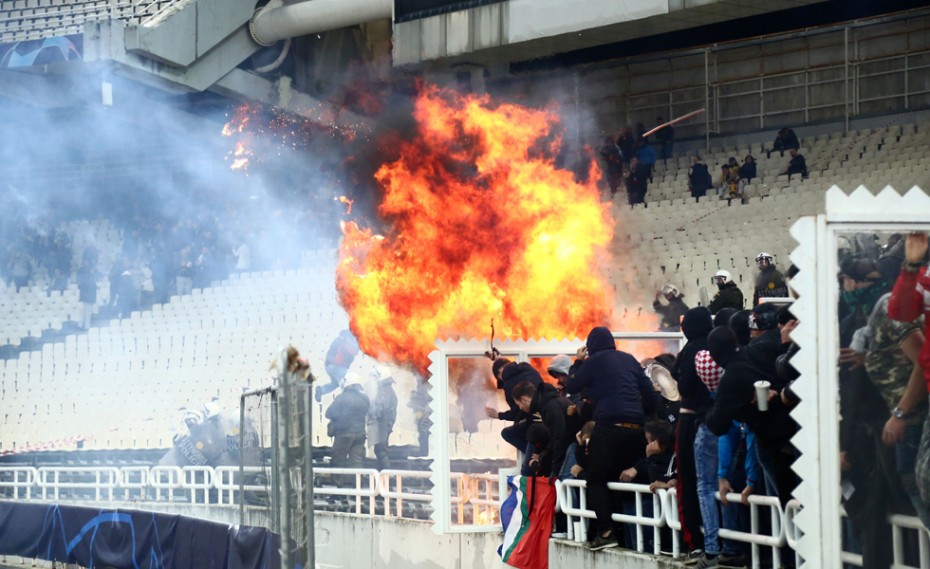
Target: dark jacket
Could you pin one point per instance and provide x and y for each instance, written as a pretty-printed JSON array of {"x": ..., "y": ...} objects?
[
  {"x": 660, "y": 467},
  {"x": 797, "y": 165},
  {"x": 699, "y": 180},
  {"x": 770, "y": 283},
  {"x": 763, "y": 351},
  {"x": 696, "y": 325},
  {"x": 87, "y": 285},
  {"x": 615, "y": 381},
  {"x": 729, "y": 295},
  {"x": 550, "y": 408},
  {"x": 671, "y": 314},
  {"x": 343, "y": 350},
  {"x": 513, "y": 375},
  {"x": 348, "y": 412},
  {"x": 734, "y": 402},
  {"x": 747, "y": 171}
]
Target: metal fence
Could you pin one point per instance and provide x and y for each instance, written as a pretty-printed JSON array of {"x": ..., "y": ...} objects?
[{"x": 390, "y": 493}]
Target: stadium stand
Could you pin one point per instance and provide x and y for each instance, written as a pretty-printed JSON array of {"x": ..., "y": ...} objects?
[{"x": 219, "y": 340}]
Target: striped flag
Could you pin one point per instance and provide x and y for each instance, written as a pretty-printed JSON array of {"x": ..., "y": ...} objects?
[{"x": 527, "y": 515}]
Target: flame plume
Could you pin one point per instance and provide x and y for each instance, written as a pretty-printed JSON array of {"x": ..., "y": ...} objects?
[{"x": 483, "y": 226}]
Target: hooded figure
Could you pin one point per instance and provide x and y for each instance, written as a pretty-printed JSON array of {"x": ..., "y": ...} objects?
[
  {"x": 623, "y": 395},
  {"x": 736, "y": 401},
  {"x": 509, "y": 375},
  {"x": 695, "y": 400}
]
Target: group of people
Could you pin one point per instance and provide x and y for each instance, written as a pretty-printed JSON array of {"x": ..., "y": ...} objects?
[
  {"x": 884, "y": 372},
  {"x": 725, "y": 425},
  {"x": 607, "y": 420},
  {"x": 670, "y": 305},
  {"x": 629, "y": 159}
]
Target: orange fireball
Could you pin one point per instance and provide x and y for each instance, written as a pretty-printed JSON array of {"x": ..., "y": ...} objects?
[{"x": 484, "y": 226}]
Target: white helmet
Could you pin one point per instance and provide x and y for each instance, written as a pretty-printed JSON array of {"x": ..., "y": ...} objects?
[
  {"x": 669, "y": 290},
  {"x": 763, "y": 260},
  {"x": 722, "y": 277}
]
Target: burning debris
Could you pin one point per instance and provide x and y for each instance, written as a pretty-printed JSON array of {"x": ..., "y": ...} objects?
[{"x": 483, "y": 225}]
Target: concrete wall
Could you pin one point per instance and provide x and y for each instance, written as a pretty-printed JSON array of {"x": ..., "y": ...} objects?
[{"x": 378, "y": 543}]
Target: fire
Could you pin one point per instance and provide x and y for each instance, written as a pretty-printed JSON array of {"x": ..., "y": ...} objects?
[
  {"x": 347, "y": 202},
  {"x": 238, "y": 126},
  {"x": 483, "y": 226},
  {"x": 240, "y": 157}
]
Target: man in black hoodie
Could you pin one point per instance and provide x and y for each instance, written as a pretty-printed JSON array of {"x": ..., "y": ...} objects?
[
  {"x": 543, "y": 404},
  {"x": 736, "y": 401},
  {"x": 695, "y": 401},
  {"x": 509, "y": 375},
  {"x": 622, "y": 396}
]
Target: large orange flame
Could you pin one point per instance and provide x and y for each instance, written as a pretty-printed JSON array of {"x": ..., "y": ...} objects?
[{"x": 484, "y": 226}]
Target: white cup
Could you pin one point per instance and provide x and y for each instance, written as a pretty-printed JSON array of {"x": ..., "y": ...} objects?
[{"x": 762, "y": 394}]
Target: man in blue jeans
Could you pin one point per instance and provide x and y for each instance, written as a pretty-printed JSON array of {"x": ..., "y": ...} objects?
[{"x": 706, "y": 461}]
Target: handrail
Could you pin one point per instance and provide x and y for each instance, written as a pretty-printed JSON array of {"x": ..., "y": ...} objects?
[{"x": 187, "y": 483}]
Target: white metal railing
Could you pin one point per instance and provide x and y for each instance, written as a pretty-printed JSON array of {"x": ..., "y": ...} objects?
[
  {"x": 72, "y": 478},
  {"x": 478, "y": 491},
  {"x": 577, "y": 528},
  {"x": 775, "y": 540},
  {"x": 398, "y": 494},
  {"x": 358, "y": 491},
  {"x": 17, "y": 477}
]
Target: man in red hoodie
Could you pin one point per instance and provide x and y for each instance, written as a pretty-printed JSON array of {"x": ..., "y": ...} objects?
[{"x": 911, "y": 295}]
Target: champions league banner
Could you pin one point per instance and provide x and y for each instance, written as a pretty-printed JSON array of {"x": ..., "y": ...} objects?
[{"x": 129, "y": 539}]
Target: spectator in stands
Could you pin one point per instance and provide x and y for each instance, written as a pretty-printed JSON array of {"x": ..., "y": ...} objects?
[
  {"x": 907, "y": 303},
  {"x": 765, "y": 343},
  {"x": 890, "y": 351},
  {"x": 865, "y": 462},
  {"x": 637, "y": 181},
  {"x": 736, "y": 401},
  {"x": 613, "y": 164},
  {"x": 747, "y": 171},
  {"x": 728, "y": 294},
  {"x": 543, "y": 404},
  {"x": 626, "y": 142},
  {"x": 508, "y": 375},
  {"x": 797, "y": 165},
  {"x": 128, "y": 294},
  {"x": 738, "y": 471},
  {"x": 658, "y": 469},
  {"x": 716, "y": 551},
  {"x": 339, "y": 357},
  {"x": 87, "y": 293},
  {"x": 623, "y": 396},
  {"x": 672, "y": 312},
  {"x": 382, "y": 416},
  {"x": 770, "y": 283},
  {"x": 185, "y": 275},
  {"x": 20, "y": 267},
  {"x": 647, "y": 157},
  {"x": 695, "y": 400},
  {"x": 666, "y": 139},
  {"x": 639, "y": 139},
  {"x": 786, "y": 139},
  {"x": 723, "y": 183},
  {"x": 732, "y": 179},
  {"x": 699, "y": 179},
  {"x": 347, "y": 415}
]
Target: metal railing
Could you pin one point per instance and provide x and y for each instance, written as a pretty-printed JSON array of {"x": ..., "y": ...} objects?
[{"x": 366, "y": 487}]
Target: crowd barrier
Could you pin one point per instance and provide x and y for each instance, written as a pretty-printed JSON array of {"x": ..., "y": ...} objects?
[{"x": 385, "y": 492}]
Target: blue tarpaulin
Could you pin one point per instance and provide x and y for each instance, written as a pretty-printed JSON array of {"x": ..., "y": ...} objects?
[{"x": 131, "y": 539}]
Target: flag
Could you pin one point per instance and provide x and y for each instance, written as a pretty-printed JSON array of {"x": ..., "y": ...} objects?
[{"x": 527, "y": 515}]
